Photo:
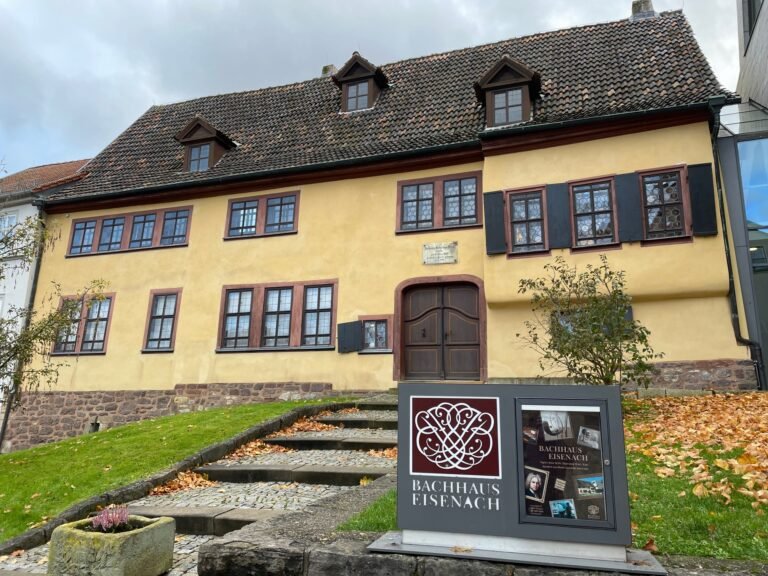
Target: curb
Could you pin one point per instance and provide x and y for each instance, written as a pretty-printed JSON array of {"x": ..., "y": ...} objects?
[{"x": 40, "y": 535}]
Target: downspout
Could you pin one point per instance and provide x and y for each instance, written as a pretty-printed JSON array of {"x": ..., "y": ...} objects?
[
  {"x": 755, "y": 351},
  {"x": 27, "y": 320}
]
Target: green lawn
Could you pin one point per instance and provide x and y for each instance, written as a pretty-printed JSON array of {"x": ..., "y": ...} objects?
[
  {"x": 41, "y": 482},
  {"x": 378, "y": 517},
  {"x": 664, "y": 509}
]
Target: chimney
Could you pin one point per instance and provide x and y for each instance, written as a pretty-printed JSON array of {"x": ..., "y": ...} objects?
[
  {"x": 328, "y": 71},
  {"x": 642, "y": 9}
]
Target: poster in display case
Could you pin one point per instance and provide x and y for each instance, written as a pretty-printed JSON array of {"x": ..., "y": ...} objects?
[{"x": 563, "y": 463}]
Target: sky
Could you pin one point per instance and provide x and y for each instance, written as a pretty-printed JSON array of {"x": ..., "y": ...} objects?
[{"x": 75, "y": 74}]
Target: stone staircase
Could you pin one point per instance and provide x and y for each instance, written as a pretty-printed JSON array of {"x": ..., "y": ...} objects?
[
  {"x": 259, "y": 488},
  {"x": 327, "y": 461}
]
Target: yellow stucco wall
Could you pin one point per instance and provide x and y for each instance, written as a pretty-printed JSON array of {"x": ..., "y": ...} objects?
[{"x": 346, "y": 230}]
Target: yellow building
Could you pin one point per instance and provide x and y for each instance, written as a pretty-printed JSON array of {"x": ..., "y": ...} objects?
[{"x": 360, "y": 229}]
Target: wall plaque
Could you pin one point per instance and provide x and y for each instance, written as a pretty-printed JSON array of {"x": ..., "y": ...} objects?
[
  {"x": 524, "y": 474},
  {"x": 440, "y": 253}
]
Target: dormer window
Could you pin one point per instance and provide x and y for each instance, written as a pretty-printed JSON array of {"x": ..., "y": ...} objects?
[
  {"x": 508, "y": 91},
  {"x": 198, "y": 157},
  {"x": 357, "y": 96},
  {"x": 203, "y": 145},
  {"x": 507, "y": 106},
  {"x": 361, "y": 83}
]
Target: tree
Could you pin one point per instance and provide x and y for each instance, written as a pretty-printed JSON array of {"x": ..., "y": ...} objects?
[
  {"x": 583, "y": 325},
  {"x": 27, "y": 336}
]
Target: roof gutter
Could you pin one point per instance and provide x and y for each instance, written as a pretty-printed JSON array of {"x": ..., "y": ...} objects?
[
  {"x": 526, "y": 128},
  {"x": 239, "y": 178},
  {"x": 16, "y": 197}
]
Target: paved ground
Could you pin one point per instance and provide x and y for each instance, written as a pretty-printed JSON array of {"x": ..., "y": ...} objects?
[
  {"x": 316, "y": 457},
  {"x": 368, "y": 415},
  {"x": 257, "y": 495},
  {"x": 345, "y": 433}
]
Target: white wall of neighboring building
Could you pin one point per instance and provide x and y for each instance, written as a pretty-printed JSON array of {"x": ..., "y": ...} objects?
[
  {"x": 16, "y": 285},
  {"x": 15, "y": 288},
  {"x": 753, "y": 73}
]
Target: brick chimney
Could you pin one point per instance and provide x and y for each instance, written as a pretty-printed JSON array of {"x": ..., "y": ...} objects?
[
  {"x": 328, "y": 71},
  {"x": 642, "y": 9}
]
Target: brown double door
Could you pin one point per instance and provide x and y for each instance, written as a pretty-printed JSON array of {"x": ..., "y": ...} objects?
[{"x": 441, "y": 332}]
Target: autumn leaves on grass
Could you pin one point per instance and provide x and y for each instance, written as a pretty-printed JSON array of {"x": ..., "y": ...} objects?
[{"x": 718, "y": 443}]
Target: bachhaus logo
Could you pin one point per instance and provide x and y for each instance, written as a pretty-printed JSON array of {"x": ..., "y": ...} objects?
[{"x": 455, "y": 437}]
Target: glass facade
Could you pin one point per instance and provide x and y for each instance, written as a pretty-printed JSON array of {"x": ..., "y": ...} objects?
[{"x": 753, "y": 164}]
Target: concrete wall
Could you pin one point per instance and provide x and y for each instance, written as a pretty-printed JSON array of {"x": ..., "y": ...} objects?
[{"x": 753, "y": 71}]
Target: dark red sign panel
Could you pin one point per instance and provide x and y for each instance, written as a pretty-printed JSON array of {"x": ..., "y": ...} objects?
[{"x": 455, "y": 436}]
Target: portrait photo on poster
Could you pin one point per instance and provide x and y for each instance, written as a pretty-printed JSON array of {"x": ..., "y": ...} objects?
[
  {"x": 536, "y": 482},
  {"x": 563, "y": 478}
]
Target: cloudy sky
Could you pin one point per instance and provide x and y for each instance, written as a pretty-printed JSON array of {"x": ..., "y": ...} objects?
[{"x": 74, "y": 74}]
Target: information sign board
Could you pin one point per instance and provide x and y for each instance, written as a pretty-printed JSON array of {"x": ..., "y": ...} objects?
[{"x": 532, "y": 473}]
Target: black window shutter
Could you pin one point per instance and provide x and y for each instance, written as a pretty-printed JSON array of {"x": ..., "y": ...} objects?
[
  {"x": 559, "y": 216},
  {"x": 350, "y": 336},
  {"x": 495, "y": 237},
  {"x": 702, "y": 191},
  {"x": 629, "y": 206}
]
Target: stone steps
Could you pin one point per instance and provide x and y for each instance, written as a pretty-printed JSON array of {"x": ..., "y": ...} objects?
[
  {"x": 303, "y": 473},
  {"x": 388, "y": 404},
  {"x": 260, "y": 488},
  {"x": 206, "y": 520},
  {"x": 331, "y": 442},
  {"x": 351, "y": 422}
]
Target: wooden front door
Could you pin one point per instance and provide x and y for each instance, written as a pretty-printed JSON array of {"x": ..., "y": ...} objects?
[{"x": 441, "y": 332}]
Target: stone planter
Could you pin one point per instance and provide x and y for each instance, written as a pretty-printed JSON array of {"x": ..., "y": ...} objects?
[{"x": 145, "y": 551}]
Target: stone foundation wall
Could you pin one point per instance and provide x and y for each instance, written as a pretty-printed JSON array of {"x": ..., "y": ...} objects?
[
  {"x": 679, "y": 378},
  {"x": 49, "y": 416},
  {"x": 706, "y": 375}
]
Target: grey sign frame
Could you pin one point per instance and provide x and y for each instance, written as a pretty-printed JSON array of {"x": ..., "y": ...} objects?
[{"x": 512, "y": 521}]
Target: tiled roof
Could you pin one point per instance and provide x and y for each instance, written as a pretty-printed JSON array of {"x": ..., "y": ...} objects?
[
  {"x": 31, "y": 178},
  {"x": 588, "y": 71}
]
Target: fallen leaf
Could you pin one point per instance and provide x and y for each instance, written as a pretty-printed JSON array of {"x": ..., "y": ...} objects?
[
  {"x": 183, "y": 481},
  {"x": 257, "y": 448},
  {"x": 650, "y": 546},
  {"x": 700, "y": 491},
  {"x": 304, "y": 425},
  {"x": 460, "y": 550},
  {"x": 664, "y": 472},
  {"x": 390, "y": 453}
]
